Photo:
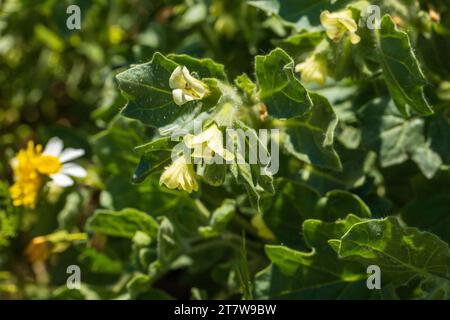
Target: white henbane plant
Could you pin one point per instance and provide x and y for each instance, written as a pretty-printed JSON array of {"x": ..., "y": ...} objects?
[
  {"x": 350, "y": 106},
  {"x": 286, "y": 149}
]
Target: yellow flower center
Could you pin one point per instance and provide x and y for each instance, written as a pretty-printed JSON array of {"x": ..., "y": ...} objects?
[
  {"x": 47, "y": 165},
  {"x": 189, "y": 90}
]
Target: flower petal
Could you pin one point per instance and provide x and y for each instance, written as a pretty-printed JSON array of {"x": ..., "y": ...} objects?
[
  {"x": 54, "y": 147},
  {"x": 70, "y": 154},
  {"x": 337, "y": 24},
  {"x": 179, "y": 175},
  {"x": 176, "y": 80},
  {"x": 349, "y": 23},
  {"x": 195, "y": 83},
  {"x": 14, "y": 163},
  {"x": 191, "y": 141},
  {"x": 354, "y": 38},
  {"x": 335, "y": 34},
  {"x": 178, "y": 97},
  {"x": 61, "y": 180},
  {"x": 327, "y": 19},
  {"x": 74, "y": 170}
]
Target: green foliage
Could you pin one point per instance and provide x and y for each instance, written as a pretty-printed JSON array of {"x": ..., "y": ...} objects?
[
  {"x": 124, "y": 223},
  {"x": 283, "y": 94},
  {"x": 402, "y": 253},
  {"x": 9, "y": 219},
  {"x": 401, "y": 71},
  {"x": 361, "y": 177},
  {"x": 396, "y": 139},
  {"x": 315, "y": 274},
  {"x": 311, "y": 138}
]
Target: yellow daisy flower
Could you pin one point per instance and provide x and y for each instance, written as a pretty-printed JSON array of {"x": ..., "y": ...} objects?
[
  {"x": 54, "y": 162},
  {"x": 33, "y": 164},
  {"x": 27, "y": 181}
]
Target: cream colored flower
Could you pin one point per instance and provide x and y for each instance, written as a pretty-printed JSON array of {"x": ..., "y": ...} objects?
[
  {"x": 337, "y": 24},
  {"x": 207, "y": 144},
  {"x": 179, "y": 175},
  {"x": 314, "y": 69},
  {"x": 185, "y": 87}
]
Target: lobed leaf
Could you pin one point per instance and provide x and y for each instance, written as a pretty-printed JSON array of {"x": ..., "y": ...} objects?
[
  {"x": 402, "y": 253},
  {"x": 310, "y": 137},
  {"x": 401, "y": 70},
  {"x": 146, "y": 87},
  {"x": 279, "y": 89}
]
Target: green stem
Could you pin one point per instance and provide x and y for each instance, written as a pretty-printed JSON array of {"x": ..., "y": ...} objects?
[
  {"x": 227, "y": 240},
  {"x": 254, "y": 246},
  {"x": 245, "y": 225},
  {"x": 201, "y": 207}
]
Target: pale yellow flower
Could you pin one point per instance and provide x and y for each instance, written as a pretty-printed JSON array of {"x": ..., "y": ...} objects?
[
  {"x": 185, "y": 87},
  {"x": 337, "y": 24},
  {"x": 207, "y": 144},
  {"x": 314, "y": 69},
  {"x": 179, "y": 175}
]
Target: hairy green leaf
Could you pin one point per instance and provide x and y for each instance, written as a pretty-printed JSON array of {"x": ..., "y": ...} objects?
[
  {"x": 146, "y": 87},
  {"x": 395, "y": 138},
  {"x": 311, "y": 275},
  {"x": 279, "y": 89},
  {"x": 401, "y": 253},
  {"x": 401, "y": 70},
  {"x": 124, "y": 223},
  {"x": 310, "y": 137}
]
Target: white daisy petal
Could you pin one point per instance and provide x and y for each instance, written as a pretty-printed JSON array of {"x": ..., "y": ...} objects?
[
  {"x": 54, "y": 147},
  {"x": 74, "y": 170},
  {"x": 70, "y": 154},
  {"x": 61, "y": 180}
]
